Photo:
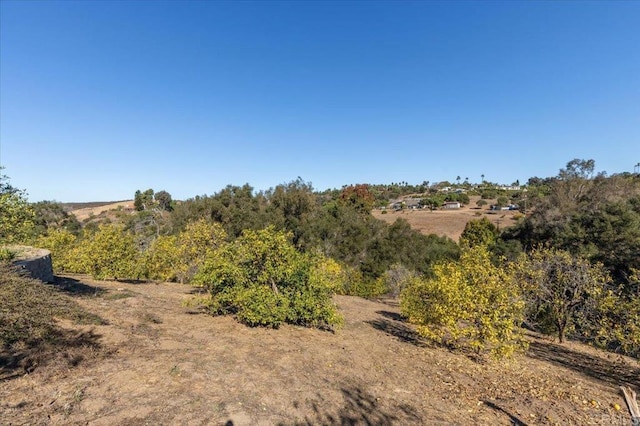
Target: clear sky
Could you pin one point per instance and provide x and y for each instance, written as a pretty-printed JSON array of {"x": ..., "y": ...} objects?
[{"x": 99, "y": 99}]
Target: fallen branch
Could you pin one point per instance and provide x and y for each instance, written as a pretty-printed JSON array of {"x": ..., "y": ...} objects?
[{"x": 632, "y": 404}]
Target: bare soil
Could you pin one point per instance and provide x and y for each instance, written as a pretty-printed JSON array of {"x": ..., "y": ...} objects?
[
  {"x": 87, "y": 212},
  {"x": 156, "y": 361}
]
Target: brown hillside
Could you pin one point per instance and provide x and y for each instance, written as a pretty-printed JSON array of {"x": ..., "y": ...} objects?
[
  {"x": 449, "y": 223},
  {"x": 157, "y": 362},
  {"x": 86, "y": 212}
]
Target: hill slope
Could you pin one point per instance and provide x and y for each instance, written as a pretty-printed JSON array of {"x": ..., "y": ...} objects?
[
  {"x": 166, "y": 364},
  {"x": 449, "y": 223},
  {"x": 94, "y": 209}
]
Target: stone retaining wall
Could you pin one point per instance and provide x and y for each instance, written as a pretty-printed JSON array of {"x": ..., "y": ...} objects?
[{"x": 38, "y": 264}]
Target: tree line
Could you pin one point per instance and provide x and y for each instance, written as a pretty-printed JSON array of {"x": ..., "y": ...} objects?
[{"x": 568, "y": 267}]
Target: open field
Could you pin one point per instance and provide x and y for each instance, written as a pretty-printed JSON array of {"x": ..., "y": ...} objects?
[
  {"x": 155, "y": 361},
  {"x": 449, "y": 223},
  {"x": 86, "y": 212}
]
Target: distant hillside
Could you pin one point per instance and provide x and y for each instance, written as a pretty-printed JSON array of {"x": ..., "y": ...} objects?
[
  {"x": 449, "y": 223},
  {"x": 93, "y": 204},
  {"x": 86, "y": 210}
]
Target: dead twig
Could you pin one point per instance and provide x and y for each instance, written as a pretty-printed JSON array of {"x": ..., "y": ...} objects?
[{"x": 632, "y": 403}]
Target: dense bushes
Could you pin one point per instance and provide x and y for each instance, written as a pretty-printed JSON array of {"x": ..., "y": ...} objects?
[
  {"x": 264, "y": 280},
  {"x": 338, "y": 224},
  {"x": 108, "y": 253},
  {"x": 277, "y": 257},
  {"x": 178, "y": 257},
  {"x": 597, "y": 218},
  {"x": 65, "y": 252},
  {"x": 468, "y": 304}
]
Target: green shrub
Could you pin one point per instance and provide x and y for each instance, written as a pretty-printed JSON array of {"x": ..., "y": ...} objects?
[
  {"x": 469, "y": 304},
  {"x": 63, "y": 246},
  {"x": 264, "y": 280},
  {"x": 178, "y": 257},
  {"x": 6, "y": 254},
  {"x": 16, "y": 214},
  {"x": 110, "y": 253},
  {"x": 260, "y": 306},
  {"x": 356, "y": 285}
]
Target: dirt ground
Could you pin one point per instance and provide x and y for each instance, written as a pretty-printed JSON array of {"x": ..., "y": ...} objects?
[
  {"x": 158, "y": 362},
  {"x": 449, "y": 223},
  {"x": 87, "y": 212}
]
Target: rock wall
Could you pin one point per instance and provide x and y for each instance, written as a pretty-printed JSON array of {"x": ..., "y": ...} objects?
[{"x": 38, "y": 264}]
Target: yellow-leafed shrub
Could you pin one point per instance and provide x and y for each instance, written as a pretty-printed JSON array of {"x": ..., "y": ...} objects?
[{"x": 469, "y": 303}]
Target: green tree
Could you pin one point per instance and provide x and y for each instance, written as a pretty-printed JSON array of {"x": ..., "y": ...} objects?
[
  {"x": 488, "y": 194},
  {"x": 16, "y": 215},
  {"x": 597, "y": 218},
  {"x": 138, "y": 203},
  {"x": 50, "y": 215},
  {"x": 610, "y": 235},
  {"x": 468, "y": 303},
  {"x": 479, "y": 233},
  {"x": 164, "y": 200},
  {"x": 502, "y": 201},
  {"x": 143, "y": 200},
  {"x": 236, "y": 208},
  {"x": 291, "y": 207},
  {"x": 433, "y": 203}
]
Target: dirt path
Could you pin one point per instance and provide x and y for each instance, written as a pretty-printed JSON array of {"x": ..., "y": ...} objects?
[{"x": 163, "y": 363}]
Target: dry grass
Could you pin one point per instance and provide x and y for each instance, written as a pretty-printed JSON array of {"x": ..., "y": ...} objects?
[
  {"x": 171, "y": 365},
  {"x": 87, "y": 212},
  {"x": 30, "y": 330},
  {"x": 449, "y": 223}
]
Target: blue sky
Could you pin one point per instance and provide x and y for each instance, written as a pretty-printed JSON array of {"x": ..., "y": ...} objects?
[{"x": 99, "y": 99}]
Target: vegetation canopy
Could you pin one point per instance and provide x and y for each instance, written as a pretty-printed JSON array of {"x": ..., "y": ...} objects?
[
  {"x": 469, "y": 304},
  {"x": 264, "y": 280}
]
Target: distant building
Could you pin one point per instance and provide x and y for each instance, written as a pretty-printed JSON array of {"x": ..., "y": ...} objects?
[
  {"x": 412, "y": 203},
  {"x": 451, "y": 205}
]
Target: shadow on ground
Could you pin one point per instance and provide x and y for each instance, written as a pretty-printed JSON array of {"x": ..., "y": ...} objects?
[
  {"x": 68, "y": 347},
  {"x": 607, "y": 370},
  {"x": 359, "y": 407},
  {"x": 393, "y": 324},
  {"x": 75, "y": 287},
  {"x": 515, "y": 421}
]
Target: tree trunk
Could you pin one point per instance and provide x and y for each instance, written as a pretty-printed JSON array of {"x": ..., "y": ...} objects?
[{"x": 561, "y": 326}]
